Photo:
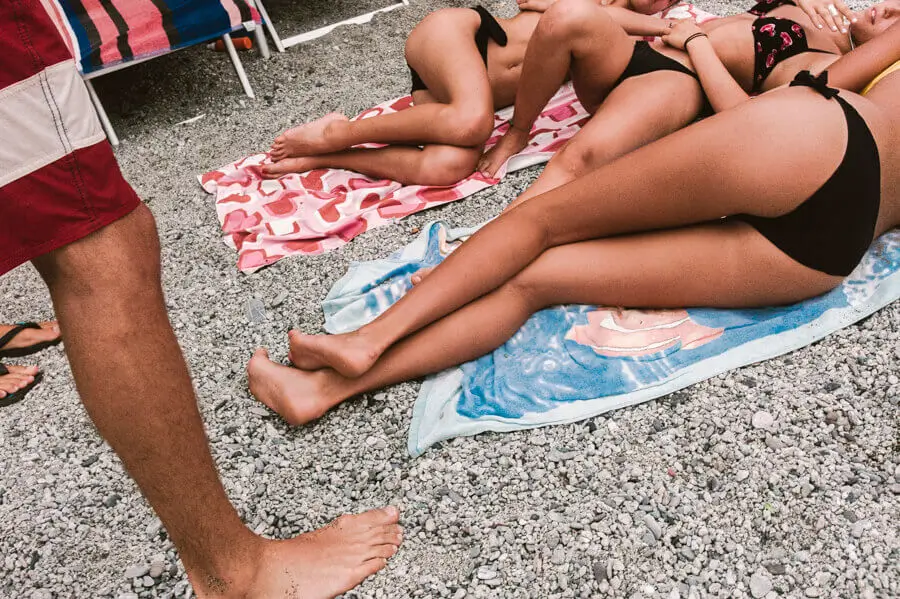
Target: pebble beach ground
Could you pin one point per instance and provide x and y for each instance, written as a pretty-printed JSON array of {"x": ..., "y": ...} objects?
[{"x": 775, "y": 480}]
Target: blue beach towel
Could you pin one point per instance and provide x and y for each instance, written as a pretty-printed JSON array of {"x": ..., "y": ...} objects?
[{"x": 573, "y": 362}]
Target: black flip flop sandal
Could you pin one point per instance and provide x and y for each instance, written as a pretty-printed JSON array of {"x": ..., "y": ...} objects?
[
  {"x": 13, "y": 398},
  {"x": 19, "y": 352}
]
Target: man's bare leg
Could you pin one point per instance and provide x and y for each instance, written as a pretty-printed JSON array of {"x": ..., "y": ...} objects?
[{"x": 136, "y": 388}]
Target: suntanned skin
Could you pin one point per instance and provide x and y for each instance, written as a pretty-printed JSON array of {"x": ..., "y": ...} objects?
[
  {"x": 724, "y": 60},
  {"x": 20, "y": 377},
  {"x": 451, "y": 119},
  {"x": 642, "y": 231},
  {"x": 581, "y": 40},
  {"x": 639, "y": 111},
  {"x": 135, "y": 386}
]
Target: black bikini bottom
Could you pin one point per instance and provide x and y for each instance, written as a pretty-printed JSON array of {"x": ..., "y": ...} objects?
[
  {"x": 489, "y": 29},
  {"x": 832, "y": 230},
  {"x": 647, "y": 60}
]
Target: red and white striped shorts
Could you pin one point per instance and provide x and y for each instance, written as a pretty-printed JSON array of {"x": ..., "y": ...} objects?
[{"x": 59, "y": 180}]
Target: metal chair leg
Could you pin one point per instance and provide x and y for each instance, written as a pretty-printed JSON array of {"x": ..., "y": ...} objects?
[
  {"x": 238, "y": 67},
  {"x": 101, "y": 112}
]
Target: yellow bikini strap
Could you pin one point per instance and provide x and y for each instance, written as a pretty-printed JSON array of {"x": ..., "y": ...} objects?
[{"x": 882, "y": 75}]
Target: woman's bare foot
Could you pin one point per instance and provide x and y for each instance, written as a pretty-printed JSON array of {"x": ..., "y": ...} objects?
[
  {"x": 512, "y": 142},
  {"x": 310, "y": 139},
  {"x": 18, "y": 378},
  {"x": 48, "y": 334},
  {"x": 298, "y": 396},
  {"x": 288, "y": 166},
  {"x": 420, "y": 275},
  {"x": 350, "y": 354}
]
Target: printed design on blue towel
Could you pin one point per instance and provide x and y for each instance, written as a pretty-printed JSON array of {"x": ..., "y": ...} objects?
[{"x": 571, "y": 354}]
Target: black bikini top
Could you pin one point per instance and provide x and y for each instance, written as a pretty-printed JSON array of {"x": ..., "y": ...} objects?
[{"x": 776, "y": 39}]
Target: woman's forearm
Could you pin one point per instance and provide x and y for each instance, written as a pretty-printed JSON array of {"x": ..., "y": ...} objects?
[
  {"x": 719, "y": 86},
  {"x": 856, "y": 69}
]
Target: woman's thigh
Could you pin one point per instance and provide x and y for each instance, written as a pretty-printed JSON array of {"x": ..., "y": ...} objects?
[
  {"x": 441, "y": 49},
  {"x": 639, "y": 111},
  {"x": 765, "y": 157},
  {"x": 721, "y": 264}
]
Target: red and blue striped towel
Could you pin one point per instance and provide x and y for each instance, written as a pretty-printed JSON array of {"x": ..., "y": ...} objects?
[{"x": 105, "y": 33}]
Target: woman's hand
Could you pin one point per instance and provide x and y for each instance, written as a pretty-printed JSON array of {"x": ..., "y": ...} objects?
[
  {"x": 535, "y": 5},
  {"x": 831, "y": 13},
  {"x": 680, "y": 31}
]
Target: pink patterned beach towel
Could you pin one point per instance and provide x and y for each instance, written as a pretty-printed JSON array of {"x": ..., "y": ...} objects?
[{"x": 318, "y": 211}]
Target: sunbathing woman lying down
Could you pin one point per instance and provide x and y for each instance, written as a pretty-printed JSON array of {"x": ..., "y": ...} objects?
[
  {"x": 772, "y": 202},
  {"x": 465, "y": 64},
  {"x": 638, "y": 92}
]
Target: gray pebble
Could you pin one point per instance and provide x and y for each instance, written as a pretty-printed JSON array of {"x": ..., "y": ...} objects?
[
  {"x": 763, "y": 420},
  {"x": 760, "y": 585}
]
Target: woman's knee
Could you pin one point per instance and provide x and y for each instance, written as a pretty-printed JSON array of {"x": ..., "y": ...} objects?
[
  {"x": 566, "y": 18},
  {"x": 471, "y": 124},
  {"x": 576, "y": 160},
  {"x": 445, "y": 165}
]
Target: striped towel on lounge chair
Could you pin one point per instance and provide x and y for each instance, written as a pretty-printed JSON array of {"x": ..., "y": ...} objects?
[{"x": 108, "y": 33}]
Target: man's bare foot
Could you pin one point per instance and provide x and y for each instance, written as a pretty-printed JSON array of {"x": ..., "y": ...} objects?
[
  {"x": 316, "y": 565},
  {"x": 48, "y": 334},
  {"x": 512, "y": 142},
  {"x": 350, "y": 354},
  {"x": 18, "y": 378},
  {"x": 310, "y": 139},
  {"x": 288, "y": 166},
  {"x": 298, "y": 396},
  {"x": 332, "y": 560}
]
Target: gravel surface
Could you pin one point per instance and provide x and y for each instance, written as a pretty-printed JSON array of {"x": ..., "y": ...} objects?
[{"x": 781, "y": 479}]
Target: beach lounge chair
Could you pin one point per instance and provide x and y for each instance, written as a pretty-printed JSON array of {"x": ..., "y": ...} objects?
[{"x": 106, "y": 37}]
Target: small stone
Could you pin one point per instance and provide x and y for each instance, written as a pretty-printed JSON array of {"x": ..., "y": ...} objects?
[
  {"x": 552, "y": 539},
  {"x": 760, "y": 585},
  {"x": 858, "y": 529},
  {"x": 137, "y": 571},
  {"x": 485, "y": 573},
  {"x": 812, "y": 592},
  {"x": 111, "y": 500},
  {"x": 148, "y": 582},
  {"x": 599, "y": 569},
  {"x": 742, "y": 475},
  {"x": 762, "y": 419},
  {"x": 90, "y": 460},
  {"x": 559, "y": 556},
  {"x": 653, "y": 526},
  {"x": 430, "y": 526},
  {"x": 776, "y": 569},
  {"x": 279, "y": 299},
  {"x": 459, "y": 594},
  {"x": 774, "y": 443},
  {"x": 157, "y": 569}
]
